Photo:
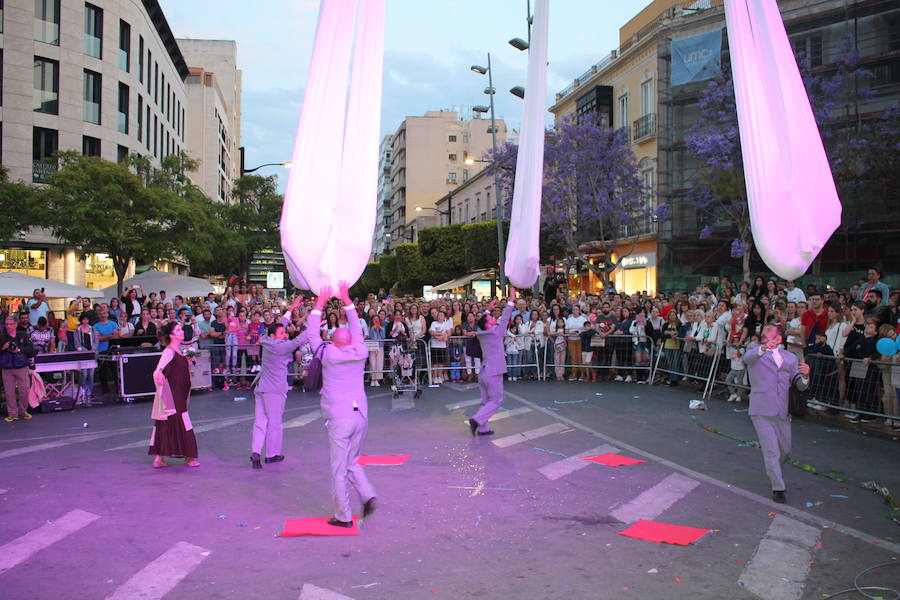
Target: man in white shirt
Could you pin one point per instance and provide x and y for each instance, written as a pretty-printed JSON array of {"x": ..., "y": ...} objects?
[
  {"x": 440, "y": 331},
  {"x": 37, "y": 307},
  {"x": 574, "y": 326},
  {"x": 794, "y": 294}
]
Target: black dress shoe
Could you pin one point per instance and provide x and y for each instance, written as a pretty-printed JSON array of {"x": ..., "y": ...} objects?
[
  {"x": 276, "y": 458},
  {"x": 254, "y": 458},
  {"x": 336, "y": 523},
  {"x": 368, "y": 507},
  {"x": 473, "y": 426},
  {"x": 778, "y": 496},
  {"x": 489, "y": 432}
]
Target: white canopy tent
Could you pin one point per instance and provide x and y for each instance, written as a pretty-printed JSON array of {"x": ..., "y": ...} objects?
[
  {"x": 20, "y": 285},
  {"x": 174, "y": 285}
]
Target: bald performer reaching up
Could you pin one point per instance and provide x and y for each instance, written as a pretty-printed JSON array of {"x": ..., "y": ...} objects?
[
  {"x": 344, "y": 405},
  {"x": 493, "y": 364}
]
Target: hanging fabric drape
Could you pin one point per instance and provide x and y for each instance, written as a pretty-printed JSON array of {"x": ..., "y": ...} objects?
[
  {"x": 793, "y": 202},
  {"x": 523, "y": 246},
  {"x": 328, "y": 217}
]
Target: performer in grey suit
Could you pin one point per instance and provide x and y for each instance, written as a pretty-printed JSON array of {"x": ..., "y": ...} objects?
[
  {"x": 344, "y": 405},
  {"x": 271, "y": 388},
  {"x": 493, "y": 364},
  {"x": 772, "y": 371}
]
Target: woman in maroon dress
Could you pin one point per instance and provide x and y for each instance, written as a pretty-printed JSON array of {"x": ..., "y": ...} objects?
[{"x": 173, "y": 434}]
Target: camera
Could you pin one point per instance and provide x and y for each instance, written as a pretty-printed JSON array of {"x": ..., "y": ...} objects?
[{"x": 12, "y": 346}]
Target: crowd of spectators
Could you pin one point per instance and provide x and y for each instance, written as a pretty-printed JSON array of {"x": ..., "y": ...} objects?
[{"x": 554, "y": 335}]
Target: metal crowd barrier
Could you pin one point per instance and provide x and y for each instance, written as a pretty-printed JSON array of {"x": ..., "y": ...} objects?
[
  {"x": 615, "y": 355},
  {"x": 853, "y": 386},
  {"x": 691, "y": 360}
]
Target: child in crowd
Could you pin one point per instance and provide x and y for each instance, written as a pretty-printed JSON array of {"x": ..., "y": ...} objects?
[
  {"x": 455, "y": 349},
  {"x": 736, "y": 379},
  {"x": 587, "y": 353}
]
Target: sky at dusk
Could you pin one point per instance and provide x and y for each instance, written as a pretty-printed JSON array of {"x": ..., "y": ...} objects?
[{"x": 429, "y": 47}]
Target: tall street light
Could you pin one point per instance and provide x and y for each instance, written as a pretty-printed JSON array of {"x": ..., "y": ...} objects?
[
  {"x": 287, "y": 164},
  {"x": 501, "y": 246},
  {"x": 438, "y": 211}
]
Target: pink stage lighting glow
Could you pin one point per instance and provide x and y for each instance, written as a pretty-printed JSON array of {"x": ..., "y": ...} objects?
[
  {"x": 794, "y": 206},
  {"x": 328, "y": 216}
]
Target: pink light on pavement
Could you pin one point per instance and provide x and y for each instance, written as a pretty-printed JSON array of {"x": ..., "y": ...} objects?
[{"x": 794, "y": 206}]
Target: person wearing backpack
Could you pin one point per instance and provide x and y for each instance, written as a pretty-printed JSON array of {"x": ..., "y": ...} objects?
[
  {"x": 16, "y": 352},
  {"x": 344, "y": 405},
  {"x": 270, "y": 389}
]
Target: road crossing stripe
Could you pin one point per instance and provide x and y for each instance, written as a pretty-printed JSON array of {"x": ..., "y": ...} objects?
[
  {"x": 403, "y": 403},
  {"x": 21, "y": 549},
  {"x": 781, "y": 563},
  {"x": 303, "y": 420},
  {"x": 532, "y": 434},
  {"x": 505, "y": 414},
  {"x": 654, "y": 501},
  {"x": 311, "y": 592},
  {"x": 882, "y": 543},
  {"x": 56, "y": 444},
  {"x": 2, "y": 491},
  {"x": 463, "y": 404},
  {"x": 145, "y": 443},
  {"x": 563, "y": 467},
  {"x": 160, "y": 576}
]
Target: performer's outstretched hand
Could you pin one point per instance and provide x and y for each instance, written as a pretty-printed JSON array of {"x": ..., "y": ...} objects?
[
  {"x": 324, "y": 295},
  {"x": 298, "y": 302},
  {"x": 344, "y": 293}
]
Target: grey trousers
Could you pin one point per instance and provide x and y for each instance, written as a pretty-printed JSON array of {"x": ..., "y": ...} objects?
[
  {"x": 774, "y": 435},
  {"x": 345, "y": 440},
  {"x": 13, "y": 380},
  {"x": 267, "y": 427},
  {"x": 491, "y": 387}
]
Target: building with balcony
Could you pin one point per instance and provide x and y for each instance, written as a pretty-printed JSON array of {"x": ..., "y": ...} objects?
[
  {"x": 381, "y": 243},
  {"x": 621, "y": 90},
  {"x": 471, "y": 202},
  {"x": 104, "y": 78},
  {"x": 213, "y": 89},
  {"x": 429, "y": 160}
]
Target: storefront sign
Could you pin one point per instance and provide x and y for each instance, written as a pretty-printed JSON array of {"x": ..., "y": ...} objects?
[
  {"x": 275, "y": 280},
  {"x": 638, "y": 261}
]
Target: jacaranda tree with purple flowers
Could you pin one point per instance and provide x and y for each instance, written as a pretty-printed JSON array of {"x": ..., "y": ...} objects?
[{"x": 592, "y": 193}]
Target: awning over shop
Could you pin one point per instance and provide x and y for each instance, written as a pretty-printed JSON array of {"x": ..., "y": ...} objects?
[{"x": 460, "y": 282}]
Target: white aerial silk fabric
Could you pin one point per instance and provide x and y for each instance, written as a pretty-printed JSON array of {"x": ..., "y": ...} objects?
[
  {"x": 523, "y": 246},
  {"x": 328, "y": 216},
  {"x": 794, "y": 206}
]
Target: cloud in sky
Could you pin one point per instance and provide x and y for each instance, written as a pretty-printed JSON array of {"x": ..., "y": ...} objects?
[{"x": 429, "y": 47}]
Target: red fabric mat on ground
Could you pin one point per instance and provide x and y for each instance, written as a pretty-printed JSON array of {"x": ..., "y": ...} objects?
[
  {"x": 613, "y": 460},
  {"x": 396, "y": 459},
  {"x": 316, "y": 526},
  {"x": 664, "y": 532}
]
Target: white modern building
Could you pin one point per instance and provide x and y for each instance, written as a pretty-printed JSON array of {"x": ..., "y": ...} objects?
[
  {"x": 213, "y": 114},
  {"x": 381, "y": 243},
  {"x": 105, "y": 78}
]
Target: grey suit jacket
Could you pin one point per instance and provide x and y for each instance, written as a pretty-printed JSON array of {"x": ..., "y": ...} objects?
[
  {"x": 342, "y": 368},
  {"x": 769, "y": 384},
  {"x": 493, "y": 354}
]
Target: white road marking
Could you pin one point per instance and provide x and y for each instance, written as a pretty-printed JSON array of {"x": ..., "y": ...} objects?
[
  {"x": 655, "y": 501},
  {"x": 505, "y": 414},
  {"x": 795, "y": 512},
  {"x": 463, "y": 404},
  {"x": 21, "y": 549},
  {"x": 563, "y": 467},
  {"x": 532, "y": 434},
  {"x": 160, "y": 576},
  {"x": 56, "y": 444},
  {"x": 2, "y": 491},
  {"x": 311, "y": 592},
  {"x": 403, "y": 403},
  {"x": 198, "y": 429},
  {"x": 781, "y": 563},
  {"x": 303, "y": 420}
]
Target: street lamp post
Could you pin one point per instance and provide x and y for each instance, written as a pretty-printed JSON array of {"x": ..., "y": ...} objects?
[
  {"x": 501, "y": 246},
  {"x": 287, "y": 164},
  {"x": 438, "y": 211}
]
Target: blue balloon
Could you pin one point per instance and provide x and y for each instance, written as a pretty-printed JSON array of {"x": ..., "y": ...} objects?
[{"x": 886, "y": 347}]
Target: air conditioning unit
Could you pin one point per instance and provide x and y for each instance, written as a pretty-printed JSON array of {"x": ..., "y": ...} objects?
[{"x": 613, "y": 54}]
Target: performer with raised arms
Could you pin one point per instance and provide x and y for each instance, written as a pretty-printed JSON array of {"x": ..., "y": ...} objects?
[
  {"x": 344, "y": 405},
  {"x": 493, "y": 364}
]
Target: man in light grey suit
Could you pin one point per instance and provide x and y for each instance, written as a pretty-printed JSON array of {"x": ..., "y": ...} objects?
[
  {"x": 344, "y": 405},
  {"x": 271, "y": 388},
  {"x": 773, "y": 371},
  {"x": 491, "y": 333}
]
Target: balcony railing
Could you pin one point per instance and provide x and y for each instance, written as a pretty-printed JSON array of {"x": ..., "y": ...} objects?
[{"x": 645, "y": 127}]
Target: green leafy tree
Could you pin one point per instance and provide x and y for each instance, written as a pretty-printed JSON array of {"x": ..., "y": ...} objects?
[
  {"x": 389, "y": 273},
  {"x": 410, "y": 267},
  {"x": 100, "y": 206},
  {"x": 480, "y": 244},
  {"x": 369, "y": 281},
  {"x": 443, "y": 252},
  {"x": 17, "y": 206},
  {"x": 253, "y": 218}
]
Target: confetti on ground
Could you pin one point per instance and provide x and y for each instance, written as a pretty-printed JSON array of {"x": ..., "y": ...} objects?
[
  {"x": 839, "y": 496},
  {"x": 569, "y": 401},
  {"x": 222, "y": 517},
  {"x": 550, "y": 451}
]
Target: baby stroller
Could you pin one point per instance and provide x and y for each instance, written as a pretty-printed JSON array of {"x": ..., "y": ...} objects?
[{"x": 403, "y": 367}]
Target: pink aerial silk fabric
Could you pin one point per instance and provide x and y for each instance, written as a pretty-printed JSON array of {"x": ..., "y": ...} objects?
[
  {"x": 523, "y": 246},
  {"x": 328, "y": 216},
  {"x": 794, "y": 206}
]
